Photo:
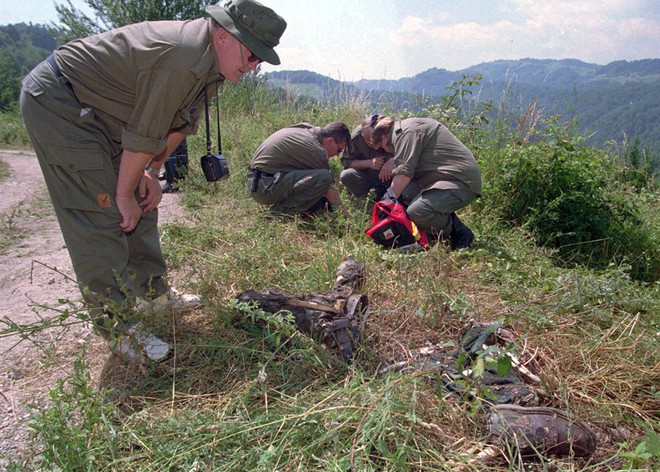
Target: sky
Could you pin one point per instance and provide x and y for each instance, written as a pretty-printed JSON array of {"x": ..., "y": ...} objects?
[{"x": 390, "y": 39}]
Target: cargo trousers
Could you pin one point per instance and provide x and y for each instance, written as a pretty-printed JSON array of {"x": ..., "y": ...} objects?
[
  {"x": 360, "y": 181},
  {"x": 294, "y": 191},
  {"x": 80, "y": 164},
  {"x": 431, "y": 209}
]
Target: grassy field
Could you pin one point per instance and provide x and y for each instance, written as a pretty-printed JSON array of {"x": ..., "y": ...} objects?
[{"x": 239, "y": 395}]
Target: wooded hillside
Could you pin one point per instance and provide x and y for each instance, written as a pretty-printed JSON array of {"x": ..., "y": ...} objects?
[{"x": 615, "y": 102}]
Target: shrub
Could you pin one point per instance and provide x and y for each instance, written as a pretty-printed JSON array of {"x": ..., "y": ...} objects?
[{"x": 568, "y": 197}]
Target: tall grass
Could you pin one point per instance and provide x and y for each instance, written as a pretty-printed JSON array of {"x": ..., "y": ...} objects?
[
  {"x": 12, "y": 130},
  {"x": 236, "y": 398}
]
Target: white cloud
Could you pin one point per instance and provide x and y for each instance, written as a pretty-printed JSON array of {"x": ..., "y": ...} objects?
[
  {"x": 597, "y": 30},
  {"x": 593, "y": 30}
]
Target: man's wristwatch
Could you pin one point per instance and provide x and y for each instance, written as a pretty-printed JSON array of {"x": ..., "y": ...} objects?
[{"x": 153, "y": 170}]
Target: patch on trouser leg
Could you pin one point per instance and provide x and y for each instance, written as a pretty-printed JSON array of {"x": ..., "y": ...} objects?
[
  {"x": 302, "y": 181},
  {"x": 103, "y": 200}
]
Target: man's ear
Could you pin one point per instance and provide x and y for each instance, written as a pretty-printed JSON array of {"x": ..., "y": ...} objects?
[{"x": 220, "y": 35}]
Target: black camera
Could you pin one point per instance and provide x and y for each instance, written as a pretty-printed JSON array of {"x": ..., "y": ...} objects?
[{"x": 215, "y": 167}]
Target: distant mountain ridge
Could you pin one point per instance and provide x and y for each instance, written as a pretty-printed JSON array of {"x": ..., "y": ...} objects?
[
  {"x": 548, "y": 72},
  {"x": 609, "y": 101}
]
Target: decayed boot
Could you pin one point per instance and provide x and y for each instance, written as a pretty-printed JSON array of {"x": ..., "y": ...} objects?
[
  {"x": 541, "y": 430},
  {"x": 335, "y": 318}
]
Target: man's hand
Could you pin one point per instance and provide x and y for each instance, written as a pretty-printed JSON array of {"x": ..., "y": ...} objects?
[
  {"x": 385, "y": 173},
  {"x": 150, "y": 192},
  {"x": 332, "y": 195},
  {"x": 130, "y": 212},
  {"x": 131, "y": 173},
  {"x": 376, "y": 163}
]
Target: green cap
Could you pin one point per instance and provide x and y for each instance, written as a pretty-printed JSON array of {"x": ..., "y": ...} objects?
[{"x": 258, "y": 27}]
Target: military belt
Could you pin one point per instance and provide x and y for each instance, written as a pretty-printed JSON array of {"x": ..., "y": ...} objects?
[
  {"x": 256, "y": 174},
  {"x": 53, "y": 64},
  {"x": 260, "y": 173},
  {"x": 58, "y": 73}
]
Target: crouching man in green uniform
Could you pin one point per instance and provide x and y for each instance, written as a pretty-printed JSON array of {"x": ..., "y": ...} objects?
[
  {"x": 290, "y": 170},
  {"x": 432, "y": 171},
  {"x": 103, "y": 113},
  {"x": 363, "y": 164}
]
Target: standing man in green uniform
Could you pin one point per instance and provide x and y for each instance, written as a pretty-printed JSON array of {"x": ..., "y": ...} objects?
[
  {"x": 290, "y": 170},
  {"x": 432, "y": 171},
  {"x": 363, "y": 164},
  {"x": 103, "y": 113}
]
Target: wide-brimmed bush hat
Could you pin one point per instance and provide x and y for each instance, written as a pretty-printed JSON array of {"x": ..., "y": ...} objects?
[{"x": 258, "y": 27}]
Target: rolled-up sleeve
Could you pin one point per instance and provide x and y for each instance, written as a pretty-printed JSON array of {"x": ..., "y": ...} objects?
[
  {"x": 186, "y": 120},
  {"x": 408, "y": 147}
]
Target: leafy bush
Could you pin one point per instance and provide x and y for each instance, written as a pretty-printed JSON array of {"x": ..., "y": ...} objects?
[{"x": 569, "y": 197}]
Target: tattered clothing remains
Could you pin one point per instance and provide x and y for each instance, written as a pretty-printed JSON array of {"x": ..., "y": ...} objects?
[{"x": 335, "y": 318}]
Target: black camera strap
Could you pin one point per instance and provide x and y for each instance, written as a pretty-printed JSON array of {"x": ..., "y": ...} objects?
[
  {"x": 214, "y": 166},
  {"x": 209, "y": 145},
  {"x": 217, "y": 117}
]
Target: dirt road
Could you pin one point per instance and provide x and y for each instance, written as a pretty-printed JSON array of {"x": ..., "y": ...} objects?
[{"x": 36, "y": 282}]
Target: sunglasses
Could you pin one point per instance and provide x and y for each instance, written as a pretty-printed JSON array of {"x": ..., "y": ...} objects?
[
  {"x": 374, "y": 120},
  {"x": 254, "y": 58}
]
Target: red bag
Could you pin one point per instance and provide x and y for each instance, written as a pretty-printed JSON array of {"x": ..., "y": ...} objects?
[{"x": 391, "y": 227}]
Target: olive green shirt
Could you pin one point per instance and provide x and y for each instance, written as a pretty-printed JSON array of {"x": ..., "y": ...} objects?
[
  {"x": 144, "y": 80},
  {"x": 296, "y": 147},
  {"x": 358, "y": 149},
  {"x": 427, "y": 151}
]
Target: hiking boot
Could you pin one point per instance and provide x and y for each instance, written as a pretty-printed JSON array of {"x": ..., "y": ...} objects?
[
  {"x": 461, "y": 236},
  {"x": 541, "y": 430},
  {"x": 321, "y": 206},
  {"x": 171, "y": 301},
  {"x": 138, "y": 345},
  {"x": 169, "y": 188}
]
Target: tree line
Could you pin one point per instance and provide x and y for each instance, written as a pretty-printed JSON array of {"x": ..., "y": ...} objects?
[{"x": 23, "y": 46}]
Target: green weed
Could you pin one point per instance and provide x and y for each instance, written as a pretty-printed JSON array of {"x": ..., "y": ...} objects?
[
  {"x": 79, "y": 428},
  {"x": 645, "y": 456},
  {"x": 11, "y": 233}
]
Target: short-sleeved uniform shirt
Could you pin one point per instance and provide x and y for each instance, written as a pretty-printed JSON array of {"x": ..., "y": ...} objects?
[
  {"x": 144, "y": 80},
  {"x": 426, "y": 150},
  {"x": 297, "y": 147},
  {"x": 357, "y": 149}
]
